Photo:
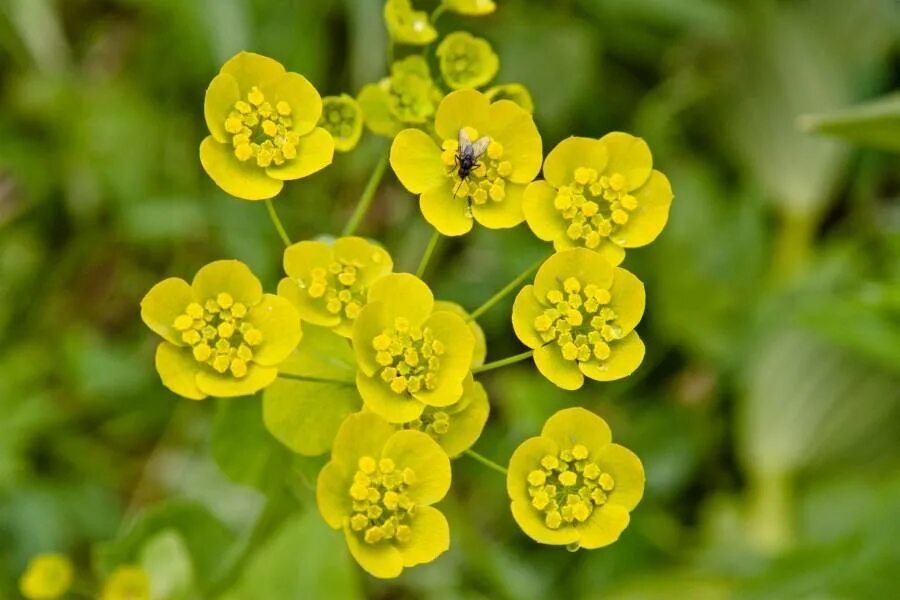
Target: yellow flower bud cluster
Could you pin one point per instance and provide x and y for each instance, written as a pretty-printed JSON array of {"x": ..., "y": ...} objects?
[
  {"x": 381, "y": 508},
  {"x": 594, "y": 206},
  {"x": 261, "y": 131},
  {"x": 409, "y": 357}
]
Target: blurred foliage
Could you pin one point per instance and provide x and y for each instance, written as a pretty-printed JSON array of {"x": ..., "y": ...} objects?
[{"x": 765, "y": 412}]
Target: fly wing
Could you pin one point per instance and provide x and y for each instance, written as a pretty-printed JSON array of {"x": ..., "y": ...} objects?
[
  {"x": 480, "y": 146},
  {"x": 464, "y": 141}
]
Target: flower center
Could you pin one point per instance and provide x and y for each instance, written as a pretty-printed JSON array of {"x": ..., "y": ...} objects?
[
  {"x": 434, "y": 422},
  {"x": 568, "y": 487},
  {"x": 338, "y": 117},
  {"x": 339, "y": 287},
  {"x": 579, "y": 321},
  {"x": 411, "y": 97},
  {"x": 381, "y": 508},
  {"x": 595, "y": 206},
  {"x": 261, "y": 131},
  {"x": 409, "y": 357},
  {"x": 218, "y": 334},
  {"x": 487, "y": 181}
]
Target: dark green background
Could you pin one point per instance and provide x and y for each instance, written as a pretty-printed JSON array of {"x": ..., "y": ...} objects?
[{"x": 766, "y": 410}]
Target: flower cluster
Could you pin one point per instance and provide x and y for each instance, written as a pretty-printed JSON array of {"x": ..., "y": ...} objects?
[
  {"x": 51, "y": 576},
  {"x": 364, "y": 364}
]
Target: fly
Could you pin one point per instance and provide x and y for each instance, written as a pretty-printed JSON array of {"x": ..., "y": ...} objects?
[{"x": 467, "y": 156}]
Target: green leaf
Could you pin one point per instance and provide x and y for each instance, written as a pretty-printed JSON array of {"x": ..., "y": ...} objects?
[
  {"x": 875, "y": 124},
  {"x": 242, "y": 447},
  {"x": 305, "y": 560},
  {"x": 304, "y": 415},
  {"x": 167, "y": 561}
]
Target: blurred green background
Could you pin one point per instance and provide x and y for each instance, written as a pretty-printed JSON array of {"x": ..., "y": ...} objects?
[{"x": 766, "y": 411}]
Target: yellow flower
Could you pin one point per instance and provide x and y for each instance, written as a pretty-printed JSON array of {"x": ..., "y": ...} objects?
[
  {"x": 579, "y": 316},
  {"x": 410, "y": 356},
  {"x": 223, "y": 336},
  {"x": 342, "y": 118},
  {"x": 572, "y": 485},
  {"x": 127, "y": 583},
  {"x": 406, "y": 25},
  {"x": 408, "y": 97},
  {"x": 262, "y": 125},
  {"x": 379, "y": 488},
  {"x": 456, "y": 427},
  {"x": 470, "y": 7},
  {"x": 328, "y": 283},
  {"x": 466, "y": 61},
  {"x": 599, "y": 194},
  {"x": 492, "y": 193},
  {"x": 48, "y": 576},
  {"x": 516, "y": 92},
  {"x": 305, "y": 415}
]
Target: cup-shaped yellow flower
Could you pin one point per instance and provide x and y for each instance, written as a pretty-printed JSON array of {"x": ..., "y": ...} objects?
[
  {"x": 492, "y": 191},
  {"x": 342, "y": 118},
  {"x": 379, "y": 488},
  {"x": 475, "y": 8},
  {"x": 262, "y": 124},
  {"x": 599, "y": 194},
  {"x": 571, "y": 486},
  {"x": 223, "y": 336},
  {"x": 410, "y": 356},
  {"x": 515, "y": 92},
  {"x": 466, "y": 61},
  {"x": 407, "y": 98},
  {"x": 48, "y": 576},
  {"x": 127, "y": 583},
  {"x": 407, "y": 25},
  {"x": 328, "y": 283},
  {"x": 579, "y": 317}
]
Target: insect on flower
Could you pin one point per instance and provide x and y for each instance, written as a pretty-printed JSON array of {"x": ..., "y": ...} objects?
[{"x": 467, "y": 156}]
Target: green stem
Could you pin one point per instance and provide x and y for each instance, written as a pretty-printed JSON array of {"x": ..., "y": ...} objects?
[
  {"x": 312, "y": 379},
  {"x": 509, "y": 360},
  {"x": 512, "y": 285},
  {"x": 365, "y": 201},
  {"x": 429, "y": 250},
  {"x": 277, "y": 223},
  {"x": 437, "y": 12},
  {"x": 485, "y": 461}
]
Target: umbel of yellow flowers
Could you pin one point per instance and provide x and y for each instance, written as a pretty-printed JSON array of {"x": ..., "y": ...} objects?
[{"x": 263, "y": 130}]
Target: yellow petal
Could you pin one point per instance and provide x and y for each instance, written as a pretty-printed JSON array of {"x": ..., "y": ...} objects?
[
  {"x": 417, "y": 451},
  {"x": 222, "y": 93},
  {"x": 416, "y": 160},
  {"x": 603, "y": 527},
  {"x": 559, "y": 371},
  {"x": 315, "y": 151},
  {"x": 250, "y": 69},
  {"x": 585, "y": 265},
  {"x": 531, "y": 521},
  {"x": 467, "y": 424},
  {"x": 444, "y": 212},
  {"x": 301, "y": 96},
  {"x": 279, "y": 323},
  {"x": 611, "y": 252},
  {"x": 459, "y": 343},
  {"x": 375, "y": 103},
  {"x": 380, "y": 560},
  {"x": 543, "y": 219},
  {"x": 526, "y": 309},
  {"x": 628, "y": 299},
  {"x": 626, "y": 357},
  {"x": 570, "y": 154},
  {"x": 163, "y": 304},
  {"x": 628, "y": 156},
  {"x": 572, "y": 426},
  {"x": 231, "y": 276},
  {"x": 372, "y": 260},
  {"x": 372, "y": 321},
  {"x": 332, "y": 495},
  {"x": 649, "y": 218},
  {"x": 627, "y": 472},
  {"x": 514, "y": 127},
  {"x": 429, "y": 539},
  {"x": 479, "y": 352},
  {"x": 471, "y": 7},
  {"x": 462, "y": 108},
  {"x": 224, "y": 385},
  {"x": 312, "y": 310},
  {"x": 448, "y": 391},
  {"x": 403, "y": 295},
  {"x": 242, "y": 180},
  {"x": 178, "y": 370},
  {"x": 503, "y": 214},
  {"x": 381, "y": 400},
  {"x": 527, "y": 457},
  {"x": 361, "y": 434}
]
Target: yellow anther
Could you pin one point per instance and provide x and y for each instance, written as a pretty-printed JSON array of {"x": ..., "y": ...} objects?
[
  {"x": 381, "y": 342},
  {"x": 480, "y": 196},
  {"x": 620, "y": 217},
  {"x": 438, "y": 347},
  {"x": 581, "y": 512},
  {"x": 568, "y": 478},
  {"x": 238, "y": 367},
  {"x": 542, "y": 322},
  {"x": 347, "y": 277},
  {"x": 183, "y": 322},
  {"x": 574, "y": 318},
  {"x": 554, "y": 297},
  {"x": 243, "y": 152},
  {"x": 221, "y": 363},
  {"x": 628, "y": 202},
  {"x": 570, "y": 351},
  {"x": 403, "y": 533},
  {"x": 572, "y": 285},
  {"x": 269, "y": 128},
  {"x": 504, "y": 169},
  {"x": 498, "y": 191},
  {"x": 255, "y": 96},
  {"x": 562, "y": 201},
  {"x": 202, "y": 352},
  {"x": 386, "y": 465},
  {"x": 233, "y": 125},
  {"x": 549, "y": 462},
  {"x": 373, "y": 535},
  {"x": 194, "y": 310},
  {"x": 574, "y": 231},
  {"x": 384, "y": 358},
  {"x": 373, "y": 511},
  {"x": 537, "y": 477},
  {"x": 584, "y": 175},
  {"x": 352, "y": 310},
  {"x": 616, "y": 181},
  {"x": 540, "y": 500},
  {"x": 242, "y": 107},
  {"x": 401, "y": 324},
  {"x": 398, "y": 385},
  {"x": 359, "y": 491},
  {"x": 333, "y": 305},
  {"x": 367, "y": 465},
  {"x": 411, "y": 357},
  {"x": 494, "y": 150},
  {"x": 579, "y": 452},
  {"x": 591, "y": 471},
  {"x": 589, "y": 209},
  {"x": 601, "y": 350},
  {"x": 283, "y": 108},
  {"x": 606, "y": 482},
  {"x": 358, "y": 522},
  {"x": 471, "y": 132},
  {"x": 374, "y": 495},
  {"x": 598, "y": 496},
  {"x": 553, "y": 519},
  {"x": 289, "y": 150},
  {"x": 225, "y": 329},
  {"x": 253, "y": 337},
  {"x": 409, "y": 476}
]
